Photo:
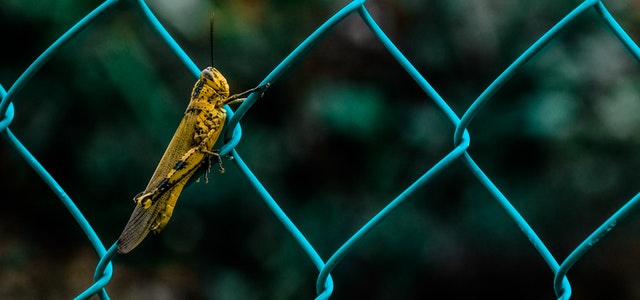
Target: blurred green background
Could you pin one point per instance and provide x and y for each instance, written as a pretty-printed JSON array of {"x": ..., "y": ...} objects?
[{"x": 335, "y": 139}]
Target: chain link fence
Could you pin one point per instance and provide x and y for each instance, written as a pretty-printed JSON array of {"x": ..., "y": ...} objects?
[{"x": 459, "y": 149}]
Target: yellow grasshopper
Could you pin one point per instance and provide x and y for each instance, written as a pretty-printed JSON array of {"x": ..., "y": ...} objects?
[{"x": 188, "y": 151}]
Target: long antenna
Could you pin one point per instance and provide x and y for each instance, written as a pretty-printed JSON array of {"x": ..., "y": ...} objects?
[{"x": 211, "y": 37}]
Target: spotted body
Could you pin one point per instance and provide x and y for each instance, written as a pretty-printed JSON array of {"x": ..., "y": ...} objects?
[{"x": 189, "y": 149}]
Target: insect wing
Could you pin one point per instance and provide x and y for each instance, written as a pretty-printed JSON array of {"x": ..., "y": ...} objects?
[{"x": 142, "y": 219}]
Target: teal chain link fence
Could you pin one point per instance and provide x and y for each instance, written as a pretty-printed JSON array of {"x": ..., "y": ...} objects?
[{"x": 461, "y": 140}]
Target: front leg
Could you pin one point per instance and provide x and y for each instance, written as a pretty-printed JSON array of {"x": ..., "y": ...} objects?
[{"x": 237, "y": 98}]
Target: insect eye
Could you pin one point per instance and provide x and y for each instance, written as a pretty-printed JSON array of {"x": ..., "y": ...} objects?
[{"x": 207, "y": 73}]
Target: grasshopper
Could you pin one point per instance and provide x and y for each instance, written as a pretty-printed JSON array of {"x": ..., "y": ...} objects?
[{"x": 188, "y": 151}]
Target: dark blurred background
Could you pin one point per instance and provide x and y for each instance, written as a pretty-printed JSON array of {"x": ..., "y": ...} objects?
[{"x": 341, "y": 134}]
